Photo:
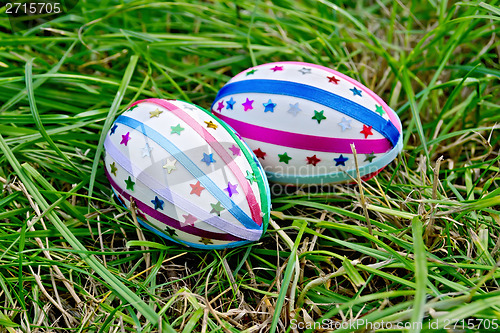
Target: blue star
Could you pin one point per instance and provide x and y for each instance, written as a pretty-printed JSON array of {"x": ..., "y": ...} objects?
[
  {"x": 294, "y": 109},
  {"x": 113, "y": 129},
  {"x": 356, "y": 92},
  {"x": 208, "y": 158},
  {"x": 230, "y": 104},
  {"x": 340, "y": 160},
  {"x": 345, "y": 124},
  {"x": 158, "y": 203},
  {"x": 269, "y": 106}
]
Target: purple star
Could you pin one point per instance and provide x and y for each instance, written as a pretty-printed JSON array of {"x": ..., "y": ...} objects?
[
  {"x": 231, "y": 189},
  {"x": 247, "y": 105},
  {"x": 220, "y": 106},
  {"x": 125, "y": 139},
  {"x": 277, "y": 68},
  {"x": 236, "y": 151}
]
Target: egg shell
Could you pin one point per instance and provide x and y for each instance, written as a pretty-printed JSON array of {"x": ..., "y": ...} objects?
[
  {"x": 300, "y": 119},
  {"x": 192, "y": 179}
]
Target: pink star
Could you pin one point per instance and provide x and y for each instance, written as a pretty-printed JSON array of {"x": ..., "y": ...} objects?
[
  {"x": 277, "y": 68},
  {"x": 125, "y": 139},
  {"x": 189, "y": 220},
  {"x": 196, "y": 188},
  {"x": 231, "y": 189},
  {"x": 236, "y": 151},
  {"x": 248, "y": 105},
  {"x": 220, "y": 106}
]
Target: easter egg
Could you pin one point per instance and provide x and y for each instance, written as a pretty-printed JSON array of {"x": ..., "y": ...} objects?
[
  {"x": 191, "y": 178},
  {"x": 301, "y": 121}
]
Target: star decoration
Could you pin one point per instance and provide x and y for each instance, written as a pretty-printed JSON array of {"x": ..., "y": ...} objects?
[
  {"x": 176, "y": 129},
  {"x": 130, "y": 183},
  {"x": 252, "y": 71},
  {"x": 230, "y": 104},
  {"x": 332, "y": 79},
  {"x": 284, "y": 158},
  {"x": 196, "y": 188},
  {"x": 220, "y": 105},
  {"x": 340, "y": 160},
  {"x": 170, "y": 165},
  {"x": 367, "y": 130},
  {"x": 251, "y": 177},
  {"x": 379, "y": 109},
  {"x": 156, "y": 113},
  {"x": 260, "y": 154},
  {"x": 170, "y": 231},
  {"x": 125, "y": 139},
  {"x": 205, "y": 240},
  {"x": 356, "y": 92},
  {"x": 247, "y": 105},
  {"x": 113, "y": 129},
  {"x": 294, "y": 109},
  {"x": 113, "y": 168},
  {"x": 210, "y": 124},
  {"x": 188, "y": 220},
  {"x": 369, "y": 157},
  {"x": 269, "y": 106},
  {"x": 146, "y": 151},
  {"x": 277, "y": 68},
  {"x": 133, "y": 107},
  {"x": 216, "y": 208},
  {"x": 318, "y": 115},
  {"x": 158, "y": 203},
  {"x": 231, "y": 189},
  {"x": 235, "y": 150},
  {"x": 313, "y": 160},
  {"x": 304, "y": 70},
  {"x": 208, "y": 158},
  {"x": 345, "y": 124}
]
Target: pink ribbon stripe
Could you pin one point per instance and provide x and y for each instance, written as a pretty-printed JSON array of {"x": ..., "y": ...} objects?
[{"x": 307, "y": 142}]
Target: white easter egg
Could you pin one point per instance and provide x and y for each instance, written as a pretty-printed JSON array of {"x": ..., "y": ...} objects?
[
  {"x": 301, "y": 119},
  {"x": 192, "y": 179}
]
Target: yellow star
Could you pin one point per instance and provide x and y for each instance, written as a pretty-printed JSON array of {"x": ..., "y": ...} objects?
[
  {"x": 170, "y": 165},
  {"x": 156, "y": 113},
  {"x": 205, "y": 241},
  {"x": 210, "y": 124}
]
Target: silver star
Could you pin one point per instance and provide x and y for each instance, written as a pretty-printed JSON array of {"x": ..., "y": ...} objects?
[
  {"x": 170, "y": 165},
  {"x": 305, "y": 70},
  {"x": 146, "y": 150},
  {"x": 294, "y": 109},
  {"x": 345, "y": 124}
]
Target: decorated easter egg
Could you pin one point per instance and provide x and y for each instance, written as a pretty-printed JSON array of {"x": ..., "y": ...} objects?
[
  {"x": 301, "y": 121},
  {"x": 191, "y": 178}
]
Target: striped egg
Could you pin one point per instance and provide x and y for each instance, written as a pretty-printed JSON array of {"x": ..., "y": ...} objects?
[
  {"x": 301, "y": 121},
  {"x": 190, "y": 176}
]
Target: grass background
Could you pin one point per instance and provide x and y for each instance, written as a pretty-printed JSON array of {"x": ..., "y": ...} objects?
[{"x": 72, "y": 259}]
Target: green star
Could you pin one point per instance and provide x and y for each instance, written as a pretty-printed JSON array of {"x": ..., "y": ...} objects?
[
  {"x": 205, "y": 241},
  {"x": 133, "y": 107},
  {"x": 113, "y": 168},
  {"x": 216, "y": 208},
  {"x": 318, "y": 115},
  {"x": 130, "y": 183},
  {"x": 176, "y": 129},
  {"x": 251, "y": 177},
  {"x": 170, "y": 231},
  {"x": 284, "y": 158},
  {"x": 250, "y": 72},
  {"x": 369, "y": 157},
  {"x": 380, "y": 109}
]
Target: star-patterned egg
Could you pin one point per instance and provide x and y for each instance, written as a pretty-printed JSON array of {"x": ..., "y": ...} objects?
[
  {"x": 190, "y": 176},
  {"x": 301, "y": 121}
]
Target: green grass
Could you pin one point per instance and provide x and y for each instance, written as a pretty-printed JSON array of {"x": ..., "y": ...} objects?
[{"x": 72, "y": 259}]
